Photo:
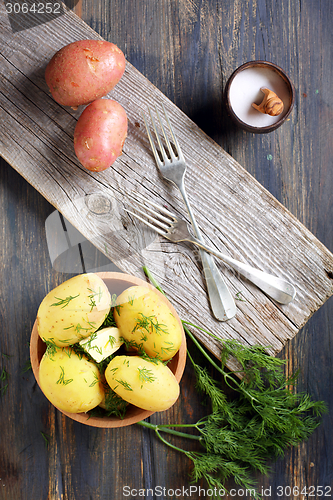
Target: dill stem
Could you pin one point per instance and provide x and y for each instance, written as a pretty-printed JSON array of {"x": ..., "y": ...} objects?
[
  {"x": 152, "y": 279},
  {"x": 165, "y": 428},
  {"x": 215, "y": 365}
]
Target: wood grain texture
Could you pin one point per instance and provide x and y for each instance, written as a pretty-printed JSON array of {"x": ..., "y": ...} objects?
[
  {"x": 187, "y": 50},
  {"x": 247, "y": 223}
]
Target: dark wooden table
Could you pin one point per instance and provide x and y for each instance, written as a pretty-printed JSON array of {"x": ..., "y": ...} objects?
[{"x": 187, "y": 49}]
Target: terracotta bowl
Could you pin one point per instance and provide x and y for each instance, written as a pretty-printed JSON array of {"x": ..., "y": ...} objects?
[
  {"x": 275, "y": 78},
  {"x": 117, "y": 283}
]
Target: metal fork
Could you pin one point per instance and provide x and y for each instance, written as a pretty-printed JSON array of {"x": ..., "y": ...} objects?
[
  {"x": 176, "y": 229},
  {"x": 173, "y": 168}
]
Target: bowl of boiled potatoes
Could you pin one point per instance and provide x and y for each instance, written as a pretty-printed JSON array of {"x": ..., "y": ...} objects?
[{"x": 108, "y": 349}]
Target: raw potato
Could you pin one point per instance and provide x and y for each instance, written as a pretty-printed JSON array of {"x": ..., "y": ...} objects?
[
  {"x": 146, "y": 384},
  {"x": 70, "y": 382},
  {"x": 100, "y": 134},
  {"x": 73, "y": 310},
  {"x": 145, "y": 320},
  {"x": 84, "y": 71}
]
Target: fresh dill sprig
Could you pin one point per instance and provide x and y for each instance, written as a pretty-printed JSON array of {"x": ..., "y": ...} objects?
[
  {"x": 51, "y": 347},
  {"x": 262, "y": 419},
  {"x": 109, "y": 320},
  {"x": 113, "y": 405}
]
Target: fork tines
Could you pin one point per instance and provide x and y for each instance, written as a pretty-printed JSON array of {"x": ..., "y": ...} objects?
[
  {"x": 170, "y": 148},
  {"x": 157, "y": 216}
]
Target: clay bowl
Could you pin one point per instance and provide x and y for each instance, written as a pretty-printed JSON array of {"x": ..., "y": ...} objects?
[
  {"x": 243, "y": 88},
  {"x": 116, "y": 283}
]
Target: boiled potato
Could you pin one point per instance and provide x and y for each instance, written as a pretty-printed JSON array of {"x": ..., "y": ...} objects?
[
  {"x": 147, "y": 322},
  {"x": 70, "y": 382},
  {"x": 84, "y": 71},
  {"x": 149, "y": 385},
  {"x": 100, "y": 134},
  {"x": 73, "y": 310}
]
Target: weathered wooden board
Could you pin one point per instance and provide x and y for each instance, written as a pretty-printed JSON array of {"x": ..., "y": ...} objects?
[{"x": 236, "y": 214}]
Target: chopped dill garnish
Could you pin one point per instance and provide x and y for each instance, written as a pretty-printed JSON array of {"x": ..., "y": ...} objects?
[
  {"x": 131, "y": 300},
  {"x": 118, "y": 307},
  {"x": 114, "y": 404},
  {"x": 239, "y": 297},
  {"x": 65, "y": 341},
  {"x": 150, "y": 324},
  {"x": 114, "y": 369},
  {"x": 109, "y": 320},
  {"x": 112, "y": 340},
  {"x": 125, "y": 384},
  {"x": 130, "y": 344},
  {"x": 51, "y": 347},
  {"x": 64, "y": 302},
  {"x": 103, "y": 364},
  {"x": 146, "y": 375},
  {"x": 168, "y": 350},
  {"x": 88, "y": 345},
  {"x": 92, "y": 297},
  {"x": 61, "y": 379},
  {"x": 94, "y": 382}
]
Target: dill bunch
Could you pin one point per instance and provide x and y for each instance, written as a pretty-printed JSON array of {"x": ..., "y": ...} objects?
[{"x": 264, "y": 417}]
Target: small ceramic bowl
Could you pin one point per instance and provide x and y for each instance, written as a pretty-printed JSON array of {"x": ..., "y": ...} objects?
[
  {"x": 244, "y": 88},
  {"x": 116, "y": 283}
]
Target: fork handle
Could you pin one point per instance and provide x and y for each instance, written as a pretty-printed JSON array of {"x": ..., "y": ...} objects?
[
  {"x": 279, "y": 289},
  {"x": 221, "y": 301}
]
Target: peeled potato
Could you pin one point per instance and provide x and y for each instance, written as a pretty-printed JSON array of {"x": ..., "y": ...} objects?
[
  {"x": 73, "y": 310},
  {"x": 70, "y": 382},
  {"x": 149, "y": 385},
  {"x": 84, "y": 71},
  {"x": 146, "y": 322}
]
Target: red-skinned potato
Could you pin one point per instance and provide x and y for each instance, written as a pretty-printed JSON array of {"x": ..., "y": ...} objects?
[
  {"x": 100, "y": 134},
  {"x": 84, "y": 71}
]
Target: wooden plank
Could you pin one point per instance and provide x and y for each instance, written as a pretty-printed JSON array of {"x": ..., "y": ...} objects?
[{"x": 236, "y": 213}]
